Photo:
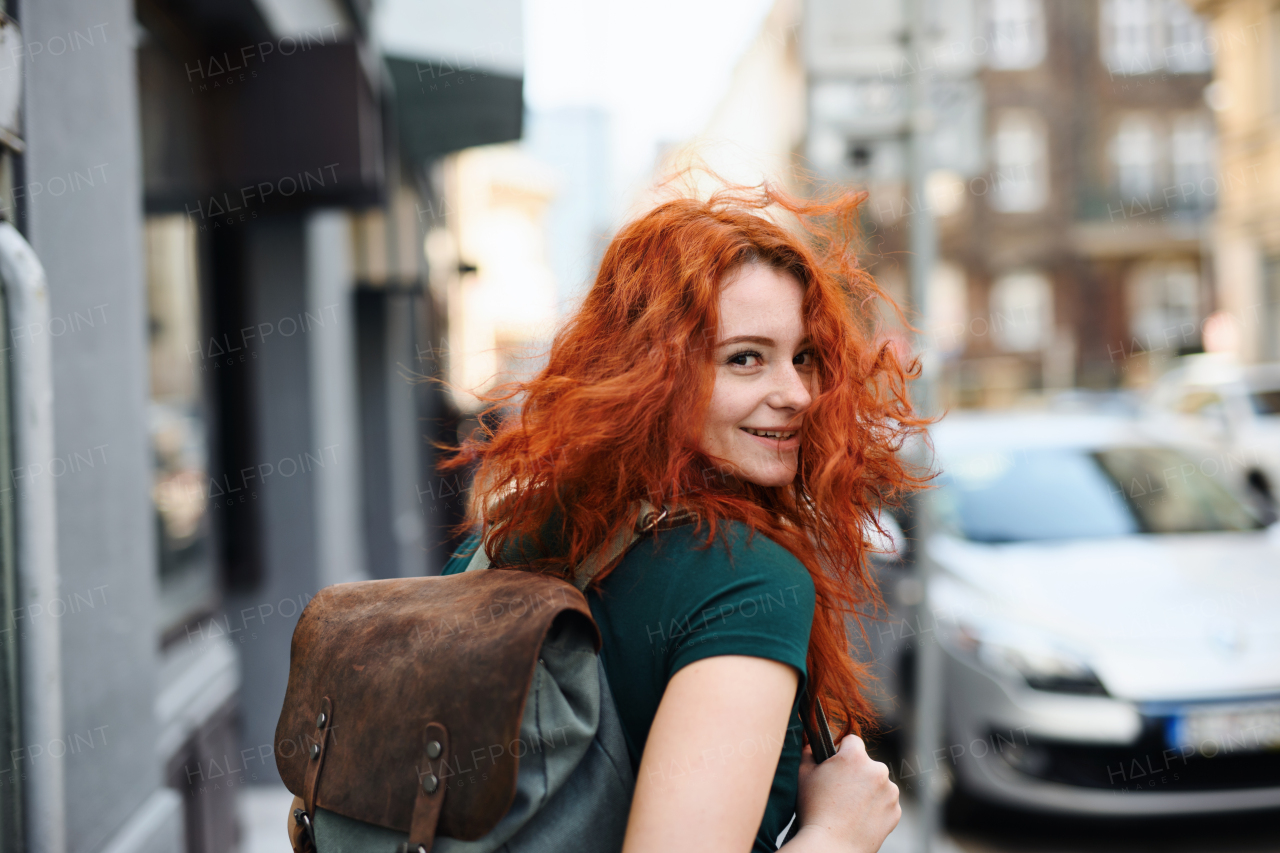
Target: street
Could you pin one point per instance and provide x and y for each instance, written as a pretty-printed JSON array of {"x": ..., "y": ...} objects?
[{"x": 1005, "y": 832}]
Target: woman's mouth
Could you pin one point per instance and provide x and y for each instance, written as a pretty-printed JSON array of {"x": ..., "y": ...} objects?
[{"x": 774, "y": 439}]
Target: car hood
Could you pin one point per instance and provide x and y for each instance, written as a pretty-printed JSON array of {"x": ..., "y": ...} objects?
[{"x": 1158, "y": 617}]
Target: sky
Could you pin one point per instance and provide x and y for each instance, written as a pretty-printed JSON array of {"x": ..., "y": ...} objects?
[{"x": 657, "y": 67}]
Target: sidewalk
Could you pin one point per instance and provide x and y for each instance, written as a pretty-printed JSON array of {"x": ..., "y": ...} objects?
[
  {"x": 264, "y": 814},
  {"x": 903, "y": 839},
  {"x": 264, "y": 810}
]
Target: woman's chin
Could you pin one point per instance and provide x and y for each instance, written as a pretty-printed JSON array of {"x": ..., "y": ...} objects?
[{"x": 770, "y": 475}]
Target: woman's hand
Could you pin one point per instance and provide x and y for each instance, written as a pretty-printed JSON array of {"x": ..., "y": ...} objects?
[{"x": 848, "y": 799}]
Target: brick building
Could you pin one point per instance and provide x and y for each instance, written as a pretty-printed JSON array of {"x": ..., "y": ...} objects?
[{"x": 1072, "y": 188}]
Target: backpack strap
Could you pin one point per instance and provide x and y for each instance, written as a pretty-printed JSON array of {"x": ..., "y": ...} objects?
[
  {"x": 821, "y": 741},
  {"x": 648, "y": 518}
]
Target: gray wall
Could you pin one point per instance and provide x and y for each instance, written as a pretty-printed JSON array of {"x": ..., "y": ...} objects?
[
  {"x": 307, "y": 440},
  {"x": 85, "y": 222},
  {"x": 275, "y": 262}
]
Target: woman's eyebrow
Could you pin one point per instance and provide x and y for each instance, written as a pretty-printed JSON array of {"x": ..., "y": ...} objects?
[
  {"x": 747, "y": 339},
  {"x": 758, "y": 339}
]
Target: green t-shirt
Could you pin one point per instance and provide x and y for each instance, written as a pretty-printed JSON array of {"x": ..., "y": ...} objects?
[{"x": 671, "y": 602}]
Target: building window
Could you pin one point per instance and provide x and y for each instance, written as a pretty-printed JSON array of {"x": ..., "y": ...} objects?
[
  {"x": 1144, "y": 36},
  {"x": 1191, "y": 157},
  {"x": 1186, "y": 39},
  {"x": 1135, "y": 156},
  {"x": 948, "y": 307},
  {"x": 1164, "y": 307},
  {"x": 1127, "y": 36},
  {"x": 180, "y": 479},
  {"x": 1022, "y": 311},
  {"x": 1020, "y": 151},
  {"x": 1015, "y": 31}
]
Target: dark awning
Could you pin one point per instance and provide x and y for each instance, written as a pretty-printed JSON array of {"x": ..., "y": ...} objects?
[{"x": 442, "y": 107}]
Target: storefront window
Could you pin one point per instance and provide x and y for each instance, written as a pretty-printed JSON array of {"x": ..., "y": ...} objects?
[{"x": 179, "y": 440}]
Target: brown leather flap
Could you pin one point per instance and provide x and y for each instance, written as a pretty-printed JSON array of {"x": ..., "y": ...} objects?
[{"x": 396, "y": 655}]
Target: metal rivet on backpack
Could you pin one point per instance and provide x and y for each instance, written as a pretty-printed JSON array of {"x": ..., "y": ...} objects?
[
  {"x": 434, "y": 749},
  {"x": 320, "y": 720},
  {"x": 315, "y": 751},
  {"x": 430, "y": 782}
]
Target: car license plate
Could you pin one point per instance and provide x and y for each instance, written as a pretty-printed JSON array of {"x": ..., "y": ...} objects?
[{"x": 1221, "y": 729}]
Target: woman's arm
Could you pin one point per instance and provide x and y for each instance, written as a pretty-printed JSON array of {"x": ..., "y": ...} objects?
[
  {"x": 709, "y": 763},
  {"x": 709, "y": 760}
]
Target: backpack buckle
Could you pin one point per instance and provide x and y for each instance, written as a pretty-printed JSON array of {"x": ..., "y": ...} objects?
[{"x": 653, "y": 522}]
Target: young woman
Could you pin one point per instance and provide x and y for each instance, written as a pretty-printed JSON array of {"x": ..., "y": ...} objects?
[{"x": 727, "y": 368}]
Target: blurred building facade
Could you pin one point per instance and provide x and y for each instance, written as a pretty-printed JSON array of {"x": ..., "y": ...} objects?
[
  {"x": 230, "y": 202},
  {"x": 1246, "y": 96},
  {"x": 1073, "y": 180},
  {"x": 491, "y": 262},
  {"x": 756, "y": 132},
  {"x": 523, "y": 227}
]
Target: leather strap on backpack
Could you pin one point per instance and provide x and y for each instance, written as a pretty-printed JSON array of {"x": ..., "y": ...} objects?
[
  {"x": 648, "y": 518},
  {"x": 302, "y": 833},
  {"x": 324, "y": 722},
  {"x": 820, "y": 741},
  {"x": 431, "y": 788}
]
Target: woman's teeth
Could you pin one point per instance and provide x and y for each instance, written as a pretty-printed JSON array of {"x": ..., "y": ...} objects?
[{"x": 763, "y": 433}]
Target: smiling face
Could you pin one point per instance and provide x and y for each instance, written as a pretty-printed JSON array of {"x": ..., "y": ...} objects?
[{"x": 764, "y": 377}]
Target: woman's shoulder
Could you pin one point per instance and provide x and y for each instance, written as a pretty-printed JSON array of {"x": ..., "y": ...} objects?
[
  {"x": 734, "y": 545},
  {"x": 736, "y": 558},
  {"x": 739, "y": 593}
]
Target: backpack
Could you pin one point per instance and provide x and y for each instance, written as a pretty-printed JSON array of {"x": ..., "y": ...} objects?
[{"x": 468, "y": 713}]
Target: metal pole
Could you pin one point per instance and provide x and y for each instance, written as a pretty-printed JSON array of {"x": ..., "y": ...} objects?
[
  {"x": 36, "y": 540},
  {"x": 923, "y": 244}
]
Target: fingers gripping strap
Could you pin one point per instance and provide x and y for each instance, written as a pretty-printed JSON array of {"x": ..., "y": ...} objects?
[
  {"x": 324, "y": 722},
  {"x": 431, "y": 787}
]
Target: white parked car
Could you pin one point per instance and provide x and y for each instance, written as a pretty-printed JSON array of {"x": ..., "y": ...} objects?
[
  {"x": 1214, "y": 400},
  {"x": 1110, "y": 619}
]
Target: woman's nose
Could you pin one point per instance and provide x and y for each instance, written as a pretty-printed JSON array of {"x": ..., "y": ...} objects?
[{"x": 792, "y": 391}]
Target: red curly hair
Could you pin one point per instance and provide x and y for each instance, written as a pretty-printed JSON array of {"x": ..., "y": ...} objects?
[{"x": 616, "y": 414}]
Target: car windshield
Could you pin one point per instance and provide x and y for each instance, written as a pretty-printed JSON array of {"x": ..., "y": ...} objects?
[{"x": 1061, "y": 493}]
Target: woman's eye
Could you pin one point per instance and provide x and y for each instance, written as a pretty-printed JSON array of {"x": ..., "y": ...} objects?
[
  {"x": 743, "y": 359},
  {"x": 804, "y": 359}
]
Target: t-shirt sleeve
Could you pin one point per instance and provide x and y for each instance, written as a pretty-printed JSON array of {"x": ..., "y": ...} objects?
[{"x": 741, "y": 596}]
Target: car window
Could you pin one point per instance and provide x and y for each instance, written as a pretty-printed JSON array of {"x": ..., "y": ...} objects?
[
  {"x": 1265, "y": 402},
  {"x": 1172, "y": 493},
  {"x": 1059, "y": 493}
]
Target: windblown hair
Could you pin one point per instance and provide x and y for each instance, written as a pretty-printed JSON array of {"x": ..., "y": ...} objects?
[{"x": 616, "y": 414}]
